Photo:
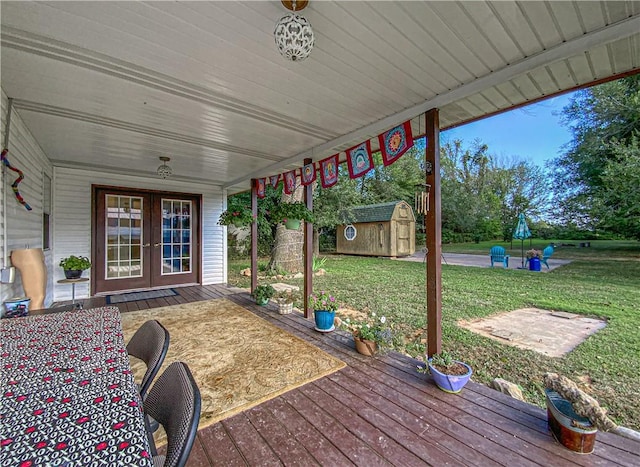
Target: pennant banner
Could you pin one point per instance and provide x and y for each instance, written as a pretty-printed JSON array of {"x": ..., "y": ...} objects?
[
  {"x": 329, "y": 171},
  {"x": 290, "y": 182},
  {"x": 308, "y": 174},
  {"x": 395, "y": 142},
  {"x": 260, "y": 187},
  {"x": 359, "y": 160},
  {"x": 274, "y": 180}
]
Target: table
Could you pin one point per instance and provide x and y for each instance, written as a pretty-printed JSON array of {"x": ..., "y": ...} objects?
[
  {"x": 73, "y": 283},
  {"x": 68, "y": 394}
]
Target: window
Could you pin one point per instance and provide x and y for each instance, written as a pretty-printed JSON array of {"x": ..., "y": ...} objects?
[
  {"x": 350, "y": 232},
  {"x": 46, "y": 212}
]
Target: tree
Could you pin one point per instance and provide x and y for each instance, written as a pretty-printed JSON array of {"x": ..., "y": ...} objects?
[{"x": 605, "y": 122}]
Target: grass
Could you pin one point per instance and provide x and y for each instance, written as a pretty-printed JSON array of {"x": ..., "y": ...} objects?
[{"x": 606, "y": 364}]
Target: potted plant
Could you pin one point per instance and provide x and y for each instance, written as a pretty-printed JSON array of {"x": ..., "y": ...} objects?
[
  {"x": 533, "y": 258},
  {"x": 285, "y": 299},
  {"x": 370, "y": 334},
  {"x": 263, "y": 293},
  {"x": 74, "y": 265},
  {"x": 291, "y": 214},
  {"x": 239, "y": 217},
  {"x": 449, "y": 374},
  {"x": 324, "y": 307}
]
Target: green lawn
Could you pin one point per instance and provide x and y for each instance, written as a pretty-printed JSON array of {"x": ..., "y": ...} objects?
[{"x": 607, "y": 363}]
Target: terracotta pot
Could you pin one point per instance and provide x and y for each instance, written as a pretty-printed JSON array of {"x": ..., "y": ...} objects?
[{"x": 365, "y": 347}]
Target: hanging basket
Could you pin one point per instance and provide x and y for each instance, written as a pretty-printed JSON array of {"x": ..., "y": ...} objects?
[{"x": 292, "y": 224}]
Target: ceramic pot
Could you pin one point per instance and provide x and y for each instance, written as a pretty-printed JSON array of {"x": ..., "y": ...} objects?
[
  {"x": 72, "y": 273},
  {"x": 365, "y": 347},
  {"x": 324, "y": 320},
  {"x": 450, "y": 383}
]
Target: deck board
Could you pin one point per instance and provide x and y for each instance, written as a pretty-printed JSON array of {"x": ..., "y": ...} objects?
[{"x": 378, "y": 411}]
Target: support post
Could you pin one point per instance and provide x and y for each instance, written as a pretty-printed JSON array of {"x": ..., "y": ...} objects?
[
  {"x": 254, "y": 234},
  {"x": 308, "y": 248},
  {"x": 433, "y": 232}
]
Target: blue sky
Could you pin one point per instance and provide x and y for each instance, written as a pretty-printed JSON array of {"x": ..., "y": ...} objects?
[{"x": 532, "y": 133}]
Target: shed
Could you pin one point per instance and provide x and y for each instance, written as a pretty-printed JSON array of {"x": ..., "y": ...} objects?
[{"x": 386, "y": 229}]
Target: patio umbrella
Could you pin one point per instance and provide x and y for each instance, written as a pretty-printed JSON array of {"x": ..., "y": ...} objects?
[{"x": 522, "y": 231}]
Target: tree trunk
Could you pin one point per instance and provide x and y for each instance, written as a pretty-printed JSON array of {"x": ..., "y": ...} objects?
[{"x": 287, "y": 253}]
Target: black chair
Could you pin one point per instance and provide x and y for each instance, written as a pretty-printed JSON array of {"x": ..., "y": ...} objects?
[
  {"x": 174, "y": 401},
  {"x": 150, "y": 344}
]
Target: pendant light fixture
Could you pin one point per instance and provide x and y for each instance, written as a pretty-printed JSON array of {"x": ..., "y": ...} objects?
[
  {"x": 293, "y": 33},
  {"x": 164, "y": 170}
]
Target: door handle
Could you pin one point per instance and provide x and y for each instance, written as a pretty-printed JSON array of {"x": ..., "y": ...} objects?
[
  {"x": 146, "y": 245},
  {"x": 156, "y": 245}
]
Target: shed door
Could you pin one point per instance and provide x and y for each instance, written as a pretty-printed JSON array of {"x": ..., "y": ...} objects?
[{"x": 403, "y": 238}]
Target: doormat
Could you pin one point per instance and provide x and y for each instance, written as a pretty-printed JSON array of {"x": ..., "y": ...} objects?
[
  {"x": 238, "y": 359},
  {"x": 144, "y": 295}
]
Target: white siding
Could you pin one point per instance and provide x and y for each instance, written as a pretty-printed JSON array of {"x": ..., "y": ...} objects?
[
  {"x": 72, "y": 220},
  {"x": 23, "y": 228}
]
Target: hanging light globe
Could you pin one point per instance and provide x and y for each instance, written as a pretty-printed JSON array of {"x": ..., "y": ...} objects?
[
  {"x": 164, "y": 171},
  {"x": 294, "y": 37}
]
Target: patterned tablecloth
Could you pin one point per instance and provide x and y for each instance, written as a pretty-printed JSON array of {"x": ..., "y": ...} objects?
[{"x": 68, "y": 395}]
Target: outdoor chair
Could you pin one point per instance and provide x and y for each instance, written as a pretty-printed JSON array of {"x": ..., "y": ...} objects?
[
  {"x": 174, "y": 401},
  {"x": 498, "y": 255},
  {"x": 150, "y": 344}
]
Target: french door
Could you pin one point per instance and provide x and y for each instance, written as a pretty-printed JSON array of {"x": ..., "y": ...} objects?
[{"x": 144, "y": 239}]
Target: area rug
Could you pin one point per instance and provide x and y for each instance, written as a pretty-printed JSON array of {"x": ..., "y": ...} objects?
[
  {"x": 238, "y": 359},
  {"x": 144, "y": 295}
]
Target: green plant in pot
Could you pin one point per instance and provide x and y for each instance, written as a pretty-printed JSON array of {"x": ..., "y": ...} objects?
[
  {"x": 74, "y": 265},
  {"x": 291, "y": 214},
  {"x": 262, "y": 293},
  {"x": 449, "y": 374}
]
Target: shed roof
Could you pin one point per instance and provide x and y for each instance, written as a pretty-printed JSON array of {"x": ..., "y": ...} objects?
[{"x": 371, "y": 213}]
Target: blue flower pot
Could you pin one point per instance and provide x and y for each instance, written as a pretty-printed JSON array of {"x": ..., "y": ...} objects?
[
  {"x": 324, "y": 320},
  {"x": 450, "y": 383},
  {"x": 534, "y": 264}
]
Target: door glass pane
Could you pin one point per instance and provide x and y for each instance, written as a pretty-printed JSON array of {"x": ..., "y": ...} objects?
[
  {"x": 176, "y": 236},
  {"x": 124, "y": 236}
]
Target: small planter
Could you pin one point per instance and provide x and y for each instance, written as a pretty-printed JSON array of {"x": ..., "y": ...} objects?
[
  {"x": 324, "y": 320},
  {"x": 285, "y": 308},
  {"x": 534, "y": 264},
  {"x": 569, "y": 429},
  {"x": 262, "y": 301},
  {"x": 451, "y": 383},
  {"x": 365, "y": 347},
  {"x": 292, "y": 224},
  {"x": 72, "y": 273}
]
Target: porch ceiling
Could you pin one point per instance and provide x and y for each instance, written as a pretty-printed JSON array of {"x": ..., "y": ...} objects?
[{"x": 115, "y": 85}]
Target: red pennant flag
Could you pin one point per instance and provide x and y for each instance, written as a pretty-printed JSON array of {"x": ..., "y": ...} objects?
[
  {"x": 359, "y": 160},
  {"x": 308, "y": 174},
  {"x": 260, "y": 187},
  {"x": 290, "y": 182},
  {"x": 329, "y": 171},
  {"x": 395, "y": 142}
]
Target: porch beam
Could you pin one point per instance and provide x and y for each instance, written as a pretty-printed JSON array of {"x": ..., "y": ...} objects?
[
  {"x": 308, "y": 248},
  {"x": 563, "y": 51},
  {"x": 433, "y": 233},
  {"x": 254, "y": 234}
]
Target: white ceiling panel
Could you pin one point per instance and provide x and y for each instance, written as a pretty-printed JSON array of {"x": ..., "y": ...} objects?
[{"x": 203, "y": 82}]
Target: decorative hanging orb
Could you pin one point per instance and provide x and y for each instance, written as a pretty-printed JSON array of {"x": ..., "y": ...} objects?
[
  {"x": 164, "y": 171},
  {"x": 294, "y": 37}
]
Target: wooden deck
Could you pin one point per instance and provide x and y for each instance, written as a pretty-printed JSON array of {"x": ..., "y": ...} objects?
[{"x": 379, "y": 411}]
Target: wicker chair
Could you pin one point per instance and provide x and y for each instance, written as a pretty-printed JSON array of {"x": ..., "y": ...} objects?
[
  {"x": 174, "y": 401},
  {"x": 150, "y": 344}
]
